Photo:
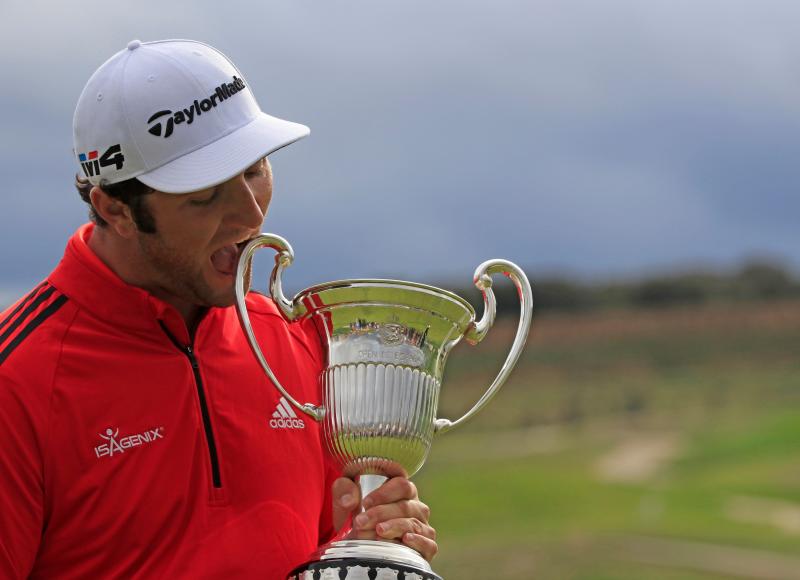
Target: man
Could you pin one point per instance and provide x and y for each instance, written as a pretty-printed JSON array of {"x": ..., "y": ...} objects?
[{"x": 135, "y": 422}]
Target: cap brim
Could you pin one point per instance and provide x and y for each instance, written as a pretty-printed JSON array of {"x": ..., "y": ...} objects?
[{"x": 219, "y": 161}]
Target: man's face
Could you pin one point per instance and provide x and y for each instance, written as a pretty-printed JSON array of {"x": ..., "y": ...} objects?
[{"x": 194, "y": 253}]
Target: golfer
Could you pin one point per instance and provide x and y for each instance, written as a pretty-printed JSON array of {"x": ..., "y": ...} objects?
[{"x": 137, "y": 432}]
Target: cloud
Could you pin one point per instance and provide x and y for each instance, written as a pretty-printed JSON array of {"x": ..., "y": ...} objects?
[{"x": 597, "y": 138}]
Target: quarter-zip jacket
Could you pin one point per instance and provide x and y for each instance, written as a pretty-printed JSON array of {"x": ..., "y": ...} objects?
[{"x": 128, "y": 450}]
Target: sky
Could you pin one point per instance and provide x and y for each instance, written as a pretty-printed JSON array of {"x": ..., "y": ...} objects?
[{"x": 583, "y": 138}]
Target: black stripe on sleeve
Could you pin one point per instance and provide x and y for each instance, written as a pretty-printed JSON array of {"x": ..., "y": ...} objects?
[
  {"x": 26, "y": 313},
  {"x": 41, "y": 317},
  {"x": 21, "y": 304}
]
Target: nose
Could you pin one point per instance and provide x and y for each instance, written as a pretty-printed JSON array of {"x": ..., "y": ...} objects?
[{"x": 247, "y": 207}]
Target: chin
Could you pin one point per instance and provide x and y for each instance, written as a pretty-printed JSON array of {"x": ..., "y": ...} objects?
[
  {"x": 223, "y": 298},
  {"x": 220, "y": 290},
  {"x": 214, "y": 295},
  {"x": 226, "y": 302}
]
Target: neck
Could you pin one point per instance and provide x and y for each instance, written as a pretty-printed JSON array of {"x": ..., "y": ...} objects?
[{"x": 115, "y": 253}]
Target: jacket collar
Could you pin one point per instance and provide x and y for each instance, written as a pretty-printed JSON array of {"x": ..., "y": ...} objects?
[{"x": 85, "y": 279}]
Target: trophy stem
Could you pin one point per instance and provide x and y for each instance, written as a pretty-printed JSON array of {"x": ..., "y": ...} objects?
[
  {"x": 368, "y": 483},
  {"x": 365, "y": 559}
]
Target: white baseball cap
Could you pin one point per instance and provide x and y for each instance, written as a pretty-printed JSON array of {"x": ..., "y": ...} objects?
[{"x": 177, "y": 115}]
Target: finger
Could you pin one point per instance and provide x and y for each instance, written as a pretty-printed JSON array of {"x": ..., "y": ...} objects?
[
  {"x": 346, "y": 493},
  {"x": 393, "y": 490},
  {"x": 425, "y": 546},
  {"x": 355, "y": 534},
  {"x": 401, "y": 509},
  {"x": 395, "y": 529},
  {"x": 346, "y": 497}
]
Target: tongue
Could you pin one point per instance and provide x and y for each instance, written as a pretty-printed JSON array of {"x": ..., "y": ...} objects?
[{"x": 225, "y": 259}]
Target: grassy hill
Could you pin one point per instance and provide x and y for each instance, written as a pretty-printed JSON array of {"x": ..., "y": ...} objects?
[{"x": 655, "y": 444}]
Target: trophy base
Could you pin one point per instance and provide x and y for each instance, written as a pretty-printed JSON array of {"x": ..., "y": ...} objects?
[{"x": 365, "y": 560}]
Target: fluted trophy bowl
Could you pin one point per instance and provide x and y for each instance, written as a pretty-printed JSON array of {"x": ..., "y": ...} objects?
[{"x": 386, "y": 342}]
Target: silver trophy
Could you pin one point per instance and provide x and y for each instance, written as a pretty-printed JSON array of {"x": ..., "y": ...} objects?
[{"x": 387, "y": 342}]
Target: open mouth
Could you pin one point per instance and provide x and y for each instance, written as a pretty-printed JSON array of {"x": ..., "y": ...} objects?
[{"x": 226, "y": 259}]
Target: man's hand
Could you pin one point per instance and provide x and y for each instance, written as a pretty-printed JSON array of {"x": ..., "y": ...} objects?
[{"x": 393, "y": 512}]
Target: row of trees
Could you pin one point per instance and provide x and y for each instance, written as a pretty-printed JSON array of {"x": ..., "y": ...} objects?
[{"x": 755, "y": 281}]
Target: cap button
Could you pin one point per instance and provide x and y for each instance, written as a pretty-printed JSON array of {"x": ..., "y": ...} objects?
[{"x": 134, "y": 44}]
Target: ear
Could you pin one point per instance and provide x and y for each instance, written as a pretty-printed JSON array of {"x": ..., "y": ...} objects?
[{"x": 117, "y": 214}]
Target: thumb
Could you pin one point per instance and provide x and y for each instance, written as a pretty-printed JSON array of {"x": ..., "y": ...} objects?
[{"x": 346, "y": 496}]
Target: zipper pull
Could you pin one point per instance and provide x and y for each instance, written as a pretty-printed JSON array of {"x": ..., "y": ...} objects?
[{"x": 192, "y": 358}]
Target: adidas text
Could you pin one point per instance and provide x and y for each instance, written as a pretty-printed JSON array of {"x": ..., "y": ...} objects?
[{"x": 287, "y": 423}]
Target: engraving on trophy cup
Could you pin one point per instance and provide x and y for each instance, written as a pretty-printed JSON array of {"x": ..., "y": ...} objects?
[
  {"x": 386, "y": 342},
  {"x": 412, "y": 358},
  {"x": 391, "y": 333}
]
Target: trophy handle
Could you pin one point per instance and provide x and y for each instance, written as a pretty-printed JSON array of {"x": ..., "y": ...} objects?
[
  {"x": 478, "y": 330},
  {"x": 284, "y": 258}
]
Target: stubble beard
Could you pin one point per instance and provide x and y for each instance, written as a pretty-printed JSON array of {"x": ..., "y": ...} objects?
[{"x": 181, "y": 276}]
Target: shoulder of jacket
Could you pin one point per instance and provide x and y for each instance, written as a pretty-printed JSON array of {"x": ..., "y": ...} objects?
[
  {"x": 32, "y": 333},
  {"x": 261, "y": 304},
  {"x": 266, "y": 316}
]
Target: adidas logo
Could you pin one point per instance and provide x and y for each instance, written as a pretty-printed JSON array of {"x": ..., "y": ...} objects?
[{"x": 284, "y": 417}]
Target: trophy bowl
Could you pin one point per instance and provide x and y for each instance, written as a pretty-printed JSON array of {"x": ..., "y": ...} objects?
[{"x": 386, "y": 343}]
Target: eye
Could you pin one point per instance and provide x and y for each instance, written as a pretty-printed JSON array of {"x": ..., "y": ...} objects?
[
  {"x": 204, "y": 201},
  {"x": 257, "y": 170}
]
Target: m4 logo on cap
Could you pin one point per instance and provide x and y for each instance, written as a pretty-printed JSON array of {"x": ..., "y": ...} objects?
[{"x": 92, "y": 165}]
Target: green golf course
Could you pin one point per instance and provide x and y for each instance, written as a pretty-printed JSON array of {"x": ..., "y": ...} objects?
[{"x": 629, "y": 443}]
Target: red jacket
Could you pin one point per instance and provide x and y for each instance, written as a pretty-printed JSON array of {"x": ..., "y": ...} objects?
[{"x": 127, "y": 452}]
